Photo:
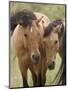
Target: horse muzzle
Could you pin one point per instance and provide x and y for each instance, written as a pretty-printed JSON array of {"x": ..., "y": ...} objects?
[{"x": 35, "y": 57}]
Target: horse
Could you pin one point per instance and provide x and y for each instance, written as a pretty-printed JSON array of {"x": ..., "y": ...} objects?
[
  {"x": 62, "y": 52},
  {"x": 51, "y": 44},
  {"x": 58, "y": 27},
  {"x": 25, "y": 42}
]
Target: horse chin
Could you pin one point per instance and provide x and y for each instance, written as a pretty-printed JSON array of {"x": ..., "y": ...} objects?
[{"x": 35, "y": 61}]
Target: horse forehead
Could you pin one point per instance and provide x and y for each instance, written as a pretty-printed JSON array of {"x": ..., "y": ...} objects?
[
  {"x": 51, "y": 38},
  {"x": 34, "y": 29},
  {"x": 54, "y": 36},
  {"x": 34, "y": 33}
]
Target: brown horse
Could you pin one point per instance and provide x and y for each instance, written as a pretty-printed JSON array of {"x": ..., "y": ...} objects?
[
  {"x": 62, "y": 45},
  {"x": 25, "y": 43},
  {"x": 51, "y": 44},
  {"x": 57, "y": 27}
]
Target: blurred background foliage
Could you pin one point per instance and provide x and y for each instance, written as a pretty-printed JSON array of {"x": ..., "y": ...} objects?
[{"x": 52, "y": 11}]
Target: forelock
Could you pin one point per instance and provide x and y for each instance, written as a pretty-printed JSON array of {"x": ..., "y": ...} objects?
[{"x": 57, "y": 22}]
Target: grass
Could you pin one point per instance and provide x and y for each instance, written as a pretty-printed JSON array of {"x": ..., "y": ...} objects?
[
  {"x": 52, "y": 11},
  {"x": 15, "y": 75}
]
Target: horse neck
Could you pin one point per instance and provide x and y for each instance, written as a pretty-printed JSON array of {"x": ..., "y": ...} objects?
[{"x": 62, "y": 45}]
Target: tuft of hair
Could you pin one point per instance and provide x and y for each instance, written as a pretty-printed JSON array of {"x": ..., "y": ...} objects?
[
  {"x": 58, "y": 22},
  {"x": 23, "y": 18},
  {"x": 54, "y": 23}
]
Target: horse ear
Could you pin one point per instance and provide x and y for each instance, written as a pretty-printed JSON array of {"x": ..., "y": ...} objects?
[
  {"x": 38, "y": 20},
  {"x": 18, "y": 26},
  {"x": 58, "y": 28}
]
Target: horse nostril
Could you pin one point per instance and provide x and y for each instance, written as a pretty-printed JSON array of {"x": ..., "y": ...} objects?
[
  {"x": 52, "y": 66},
  {"x": 56, "y": 42},
  {"x": 36, "y": 56},
  {"x": 53, "y": 62}
]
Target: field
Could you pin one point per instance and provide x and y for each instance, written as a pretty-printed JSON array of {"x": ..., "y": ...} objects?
[{"x": 52, "y": 11}]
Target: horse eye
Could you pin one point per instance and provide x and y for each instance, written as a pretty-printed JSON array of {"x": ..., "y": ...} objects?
[{"x": 25, "y": 35}]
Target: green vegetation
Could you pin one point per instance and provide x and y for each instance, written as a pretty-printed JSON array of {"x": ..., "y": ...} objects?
[{"x": 52, "y": 11}]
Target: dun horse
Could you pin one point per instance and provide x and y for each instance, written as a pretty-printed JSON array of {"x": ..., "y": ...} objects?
[
  {"x": 62, "y": 41},
  {"x": 57, "y": 26},
  {"x": 25, "y": 42}
]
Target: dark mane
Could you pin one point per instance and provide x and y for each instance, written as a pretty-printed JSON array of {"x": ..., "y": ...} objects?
[
  {"x": 23, "y": 18},
  {"x": 47, "y": 30},
  {"x": 54, "y": 23}
]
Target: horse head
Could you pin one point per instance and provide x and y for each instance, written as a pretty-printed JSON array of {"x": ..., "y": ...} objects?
[{"x": 51, "y": 40}]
